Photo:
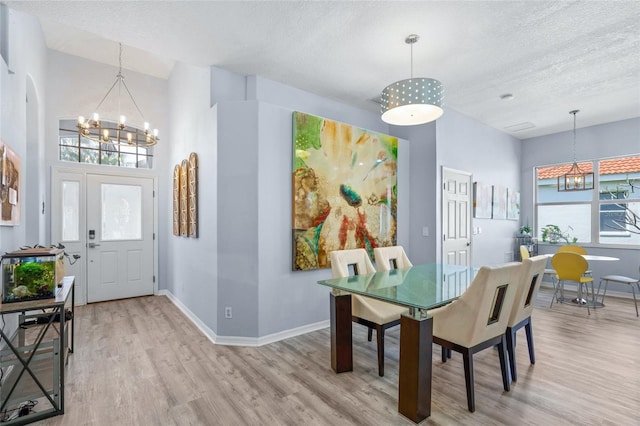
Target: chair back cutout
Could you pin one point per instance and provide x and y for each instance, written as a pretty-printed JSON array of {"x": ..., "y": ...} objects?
[
  {"x": 355, "y": 259},
  {"x": 393, "y": 257}
]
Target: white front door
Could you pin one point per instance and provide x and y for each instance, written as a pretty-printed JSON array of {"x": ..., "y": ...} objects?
[
  {"x": 119, "y": 237},
  {"x": 456, "y": 217}
]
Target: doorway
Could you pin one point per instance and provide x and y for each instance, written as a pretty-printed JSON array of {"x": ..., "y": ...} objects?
[{"x": 109, "y": 220}]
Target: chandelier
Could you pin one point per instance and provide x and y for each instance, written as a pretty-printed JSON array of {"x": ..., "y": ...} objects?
[
  {"x": 412, "y": 101},
  {"x": 117, "y": 133},
  {"x": 575, "y": 179}
]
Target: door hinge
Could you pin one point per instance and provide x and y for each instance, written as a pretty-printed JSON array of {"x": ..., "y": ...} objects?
[
  {"x": 154, "y": 236},
  {"x": 154, "y": 278},
  {"x": 154, "y": 193}
]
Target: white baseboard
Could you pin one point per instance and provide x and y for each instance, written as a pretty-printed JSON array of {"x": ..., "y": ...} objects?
[{"x": 240, "y": 340}]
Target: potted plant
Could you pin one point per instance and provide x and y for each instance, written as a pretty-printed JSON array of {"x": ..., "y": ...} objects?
[
  {"x": 552, "y": 234},
  {"x": 525, "y": 230}
]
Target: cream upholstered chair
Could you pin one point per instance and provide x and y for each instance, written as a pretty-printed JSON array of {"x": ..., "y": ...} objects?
[
  {"x": 624, "y": 280},
  {"x": 571, "y": 266},
  {"x": 372, "y": 313},
  {"x": 530, "y": 279},
  {"x": 478, "y": 320},
  {"x": 524, "y": 252},
  {"x": 388, "y": 258}
]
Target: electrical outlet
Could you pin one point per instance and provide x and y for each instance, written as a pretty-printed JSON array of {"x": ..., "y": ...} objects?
[{"x": 227, "y": 312}]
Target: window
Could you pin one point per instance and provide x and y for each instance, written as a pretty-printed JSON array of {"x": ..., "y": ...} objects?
[
  {"x": 608, "y": 215},
  {"x": 78, "y": 149}
]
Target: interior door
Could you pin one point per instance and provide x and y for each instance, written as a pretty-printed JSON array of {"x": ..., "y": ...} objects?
[
  {"x": 119, "y": 237},
  {"x": 456, "y": 217}
]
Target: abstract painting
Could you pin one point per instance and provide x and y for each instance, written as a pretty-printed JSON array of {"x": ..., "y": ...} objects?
[
  {"x": 9, "y": 186},
  {"x": 482, "y": 196},
  {"x": 499, "y": 202},
  {"x": 344, "y": 182},
  {"x": 513, "y": 204}
]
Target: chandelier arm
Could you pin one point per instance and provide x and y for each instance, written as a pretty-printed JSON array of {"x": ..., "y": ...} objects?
[
  {"x": 105, "y": 96},
  {"x": 132, "y": 99}
]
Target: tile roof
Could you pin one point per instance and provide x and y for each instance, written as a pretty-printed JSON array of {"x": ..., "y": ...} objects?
[{"x": 607, "y": 167}]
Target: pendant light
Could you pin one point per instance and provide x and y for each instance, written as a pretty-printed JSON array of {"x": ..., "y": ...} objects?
[
  {"x": 575, "y": 179},
  {"x": 414, "y": 100}
]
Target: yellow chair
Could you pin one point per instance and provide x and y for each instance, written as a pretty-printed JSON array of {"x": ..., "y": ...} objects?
[
  {"x": 530, "y": 279},
  {"x": 524, "y": 253},
  {"x": 478, "y": 320},
  {"x": 369, "y": 312},
  {"x": 572, "y": 248},
  {"x": 571, "y": 267},
  {"x": 388, "y": 258}
]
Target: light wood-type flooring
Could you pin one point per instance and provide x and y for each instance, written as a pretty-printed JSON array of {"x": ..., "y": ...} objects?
[{"x": 142, "y": 362}]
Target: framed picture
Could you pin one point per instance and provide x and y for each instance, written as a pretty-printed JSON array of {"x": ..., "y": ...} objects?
[
  {"x": 499, "y": 204},
  {"x": 513, "y": 204},
  {"x": 344, "y": 182},
  {"x": 482, "y": 196},
  {"x": 9, "y": 186}
]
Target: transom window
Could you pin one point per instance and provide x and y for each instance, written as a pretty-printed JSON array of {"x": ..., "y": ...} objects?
[
  {"x": 75, "y": 148},
  {"x": 609, "y": 214}
]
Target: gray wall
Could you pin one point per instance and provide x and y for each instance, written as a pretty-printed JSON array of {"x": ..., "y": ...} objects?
[
  {"x": 605, "y": 140},
  {"x": 493, "y": 158}
]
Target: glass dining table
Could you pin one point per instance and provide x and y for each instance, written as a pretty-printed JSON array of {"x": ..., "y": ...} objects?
[{"x": 419, "y": 289}]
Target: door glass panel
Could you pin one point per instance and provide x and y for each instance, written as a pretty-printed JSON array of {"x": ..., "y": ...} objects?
[
  {"x": 70, "y": 210},
  {"x": 121, "y": 212}
]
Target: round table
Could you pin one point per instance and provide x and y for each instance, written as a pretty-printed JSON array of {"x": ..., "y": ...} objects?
[{"x": 579, "y": 300}]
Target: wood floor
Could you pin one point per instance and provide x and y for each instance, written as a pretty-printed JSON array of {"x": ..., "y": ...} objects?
[{"x": 141, "y": 362}]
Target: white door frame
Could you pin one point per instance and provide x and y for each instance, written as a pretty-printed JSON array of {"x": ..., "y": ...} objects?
[{"x": 81, "y": 172}]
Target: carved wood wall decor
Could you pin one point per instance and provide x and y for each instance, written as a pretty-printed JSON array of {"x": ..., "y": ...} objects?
[
  {"x": 185, "y": 197},
  {"x": 192, "y": 190},
  {"x": 176, "y": 200}
]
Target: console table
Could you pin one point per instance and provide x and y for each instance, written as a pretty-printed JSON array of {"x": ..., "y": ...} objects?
[{"x": 34, "y": 355}]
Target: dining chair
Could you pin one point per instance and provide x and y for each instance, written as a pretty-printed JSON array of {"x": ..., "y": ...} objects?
[
  {"x": 478, "y": 320},
  {"x": 388, "y": 258},
  {"x": 570, "y": 266},
  {"x": 372, "y": 313},
  {"x": 572, "y": 248},
  {"x": 524, "y": 252},
  {"x": 530, "y": 279},
  {"x": 623, "y": 280}
]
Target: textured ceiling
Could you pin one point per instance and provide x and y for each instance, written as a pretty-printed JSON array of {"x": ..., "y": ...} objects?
[{"x": 553, "y": 56}]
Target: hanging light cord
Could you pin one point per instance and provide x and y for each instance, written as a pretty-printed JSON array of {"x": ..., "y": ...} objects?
[{"x": 574, "y": 135}]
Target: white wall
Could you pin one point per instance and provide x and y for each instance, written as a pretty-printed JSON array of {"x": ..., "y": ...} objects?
[
  {"x": 188, "y": 266},
  {"x": 27, "y": 68}
]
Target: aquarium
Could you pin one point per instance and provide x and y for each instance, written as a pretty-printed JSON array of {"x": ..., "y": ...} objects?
[{"x": 31, "y": 274}]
